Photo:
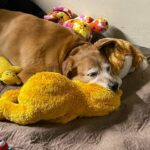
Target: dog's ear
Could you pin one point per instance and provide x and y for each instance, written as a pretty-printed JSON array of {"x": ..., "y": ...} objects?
[
  {"x": 106, "y": 44},
  {"x": 107, "y": 47},
  {"x": 110, "y": 49},
  {"x": 68, "y": 68}
]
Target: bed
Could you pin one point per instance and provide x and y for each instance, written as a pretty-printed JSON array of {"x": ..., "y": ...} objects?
[{"x": 126, "y": 129}]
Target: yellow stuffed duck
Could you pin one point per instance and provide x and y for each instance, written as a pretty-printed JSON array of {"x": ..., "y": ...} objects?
[
  {"x": 8, "y": 72},
  {"x": 53, "y": 97}
]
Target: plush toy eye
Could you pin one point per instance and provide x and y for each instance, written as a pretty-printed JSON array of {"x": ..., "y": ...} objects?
[{"x": 106, "y": 23}]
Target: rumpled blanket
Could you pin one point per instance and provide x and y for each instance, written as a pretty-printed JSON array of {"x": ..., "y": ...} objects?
[{"x": 126, "y": 129}]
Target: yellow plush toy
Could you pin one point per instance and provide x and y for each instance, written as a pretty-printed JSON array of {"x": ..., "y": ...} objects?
[
  {"x": 9, "y": 77},
  {"x": 53, "y": 97},
  {"x": 8, "y": 72}
]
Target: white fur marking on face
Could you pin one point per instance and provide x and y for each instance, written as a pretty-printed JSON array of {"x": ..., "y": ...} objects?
[
  {"x": 92, "y": 70},
  {"x": 105, "y": 65},
  {"x": 126, "y": 67},
  {"x": 103, "y": 77}
]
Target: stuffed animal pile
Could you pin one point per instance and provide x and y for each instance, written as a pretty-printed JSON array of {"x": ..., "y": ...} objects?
[
  {"x": 8, "y": 72},
  {"x": 83, "y": 25},
  {"x": 53, "y": 97}
]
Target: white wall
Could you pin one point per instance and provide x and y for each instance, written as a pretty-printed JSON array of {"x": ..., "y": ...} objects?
[{"x": 130, "y": 19}]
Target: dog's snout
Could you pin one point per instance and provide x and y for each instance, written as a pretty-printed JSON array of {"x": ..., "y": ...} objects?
[{"x": 114, "y": 86}]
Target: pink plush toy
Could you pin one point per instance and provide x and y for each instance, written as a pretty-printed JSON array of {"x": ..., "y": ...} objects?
[{"x": 59, "y": 15}]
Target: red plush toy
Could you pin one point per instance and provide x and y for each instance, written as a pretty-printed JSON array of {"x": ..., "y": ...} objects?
[{"x": 4, "y": 145}]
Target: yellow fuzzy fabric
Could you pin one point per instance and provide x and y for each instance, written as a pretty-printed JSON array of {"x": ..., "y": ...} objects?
[
  {"x": 53, "y": 97},
  {"x": 6, "y": 65},
  {"x": 8, "y": 72}
]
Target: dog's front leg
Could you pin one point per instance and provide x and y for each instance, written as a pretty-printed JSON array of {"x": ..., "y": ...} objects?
[{"x": 25, "y": 74}]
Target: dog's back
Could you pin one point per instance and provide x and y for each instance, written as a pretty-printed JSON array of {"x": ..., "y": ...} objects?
[{"x": 33, "y": 43}]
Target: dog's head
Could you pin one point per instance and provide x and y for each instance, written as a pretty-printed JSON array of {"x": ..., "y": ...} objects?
[{"x": 89, "y": 63}]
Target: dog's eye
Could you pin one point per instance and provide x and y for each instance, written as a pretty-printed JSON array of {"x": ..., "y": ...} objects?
[{"x": 92, "y": 74}]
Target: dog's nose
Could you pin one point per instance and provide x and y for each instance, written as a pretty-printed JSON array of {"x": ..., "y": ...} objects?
[{"x": 114, "y": 86}]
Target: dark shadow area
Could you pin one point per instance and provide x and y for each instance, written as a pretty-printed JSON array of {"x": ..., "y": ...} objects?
[
  {"x": 26, "y": 6},
  {"x": 114, "y": 32}
]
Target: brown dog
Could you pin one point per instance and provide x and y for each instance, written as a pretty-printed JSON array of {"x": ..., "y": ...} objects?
[{"x": 38, "y": 45}]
